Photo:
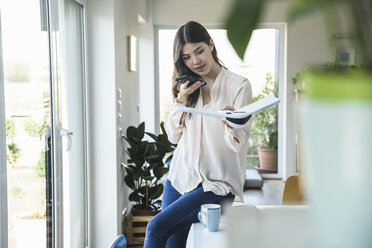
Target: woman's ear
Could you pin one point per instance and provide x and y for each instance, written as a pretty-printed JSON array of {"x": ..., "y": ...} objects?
[{"x": 211, "y": 44}]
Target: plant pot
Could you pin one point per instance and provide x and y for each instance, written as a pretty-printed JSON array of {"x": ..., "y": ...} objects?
[
  {"x": 136, "y": 211},
  {"x": 336, "y": 121},
  {"x": 268, "y": 159},
  {"x": 136, "y": 224}
]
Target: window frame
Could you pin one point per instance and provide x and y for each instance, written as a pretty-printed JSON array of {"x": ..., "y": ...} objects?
[{"x": 281, "y": 75}]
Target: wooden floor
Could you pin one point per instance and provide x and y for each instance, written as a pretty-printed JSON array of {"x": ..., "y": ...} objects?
[{"x": 270, "y": 194}]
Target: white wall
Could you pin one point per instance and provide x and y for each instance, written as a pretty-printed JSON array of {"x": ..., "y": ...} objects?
[
  {"x": 101, "y": 83},
  {"x": 126, "y": 23},
  {"x": 109, "y": 23},
  {"x": 178, "y": 12},
  {"x": 146, "y": 70}
]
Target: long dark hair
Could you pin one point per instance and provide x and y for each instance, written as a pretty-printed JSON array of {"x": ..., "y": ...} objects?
[{"x": 192, "y": 32}]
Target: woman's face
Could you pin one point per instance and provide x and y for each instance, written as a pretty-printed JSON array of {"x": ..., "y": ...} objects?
[{"x": 198, "y": 57}]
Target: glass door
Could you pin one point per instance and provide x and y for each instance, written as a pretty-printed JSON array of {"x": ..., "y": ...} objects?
[
  {"x": 69, "y": 172},
  {"x": 43, "y": 124},
  {"x": 26, "y": 108}
]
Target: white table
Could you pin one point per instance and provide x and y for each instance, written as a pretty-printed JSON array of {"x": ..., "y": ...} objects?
[
  {"x": 201, "y": 237},
  {"x": 281, "y": 224}
]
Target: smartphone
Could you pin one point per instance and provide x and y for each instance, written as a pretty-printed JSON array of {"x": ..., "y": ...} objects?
[{"x": 192, "y": 79}]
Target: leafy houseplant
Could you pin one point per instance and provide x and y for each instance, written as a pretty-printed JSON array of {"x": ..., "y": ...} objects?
[
  {"x": 265, "y": 123},
  {"x": 265, "y": 128},
  {"x": 146, "y": 166}
]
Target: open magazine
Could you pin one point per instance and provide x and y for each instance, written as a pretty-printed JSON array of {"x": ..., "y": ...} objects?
[{"x": 237, "y": 118}]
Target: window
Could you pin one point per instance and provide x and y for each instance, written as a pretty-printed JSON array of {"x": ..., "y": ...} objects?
[{"x": 263, "y": 57}]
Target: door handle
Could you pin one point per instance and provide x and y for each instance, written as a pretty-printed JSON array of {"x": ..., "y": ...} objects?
[{"x": 65, "y": 132}]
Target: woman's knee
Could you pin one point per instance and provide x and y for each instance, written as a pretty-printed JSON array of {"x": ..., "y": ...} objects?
[
  {"x": 151, "y": 226},
  {"x": 155, "y": 227},
  {"x": 156, "y": 236}
]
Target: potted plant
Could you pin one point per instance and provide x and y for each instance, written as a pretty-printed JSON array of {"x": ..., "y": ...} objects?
[
  {"x": 265, "y": 129},
  {"x": 146, "y": 166}
]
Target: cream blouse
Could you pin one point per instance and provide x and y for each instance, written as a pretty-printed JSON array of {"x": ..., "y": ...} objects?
[{"x": 206, "y": 150}]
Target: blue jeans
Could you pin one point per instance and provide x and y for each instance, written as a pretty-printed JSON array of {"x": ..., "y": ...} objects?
[{"x": 170, "y": 227}]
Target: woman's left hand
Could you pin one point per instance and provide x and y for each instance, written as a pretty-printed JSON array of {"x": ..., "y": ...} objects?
[{"x": 227, "y": 108}]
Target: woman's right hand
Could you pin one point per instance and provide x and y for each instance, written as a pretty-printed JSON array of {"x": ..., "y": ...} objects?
[{"x": 185, "y": 91}]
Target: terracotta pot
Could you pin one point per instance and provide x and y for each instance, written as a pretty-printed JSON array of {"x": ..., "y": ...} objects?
[{"x": 268, "y": 158}]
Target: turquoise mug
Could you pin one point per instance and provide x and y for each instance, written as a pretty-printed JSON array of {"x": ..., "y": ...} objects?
[{"x": 210, "y": 215}]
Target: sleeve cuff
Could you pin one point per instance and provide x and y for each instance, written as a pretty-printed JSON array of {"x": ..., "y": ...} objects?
[
  {"x": 178, "y": 103},
  {"x": 232, "y": 131}
]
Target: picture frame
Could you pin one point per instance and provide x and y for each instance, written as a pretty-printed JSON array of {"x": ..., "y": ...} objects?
[
  {"x": 132, "y": 53},
  {"x": 345, "y": 55}
]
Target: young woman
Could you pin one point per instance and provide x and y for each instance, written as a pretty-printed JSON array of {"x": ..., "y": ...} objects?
[{"x": 208, "y": 165}]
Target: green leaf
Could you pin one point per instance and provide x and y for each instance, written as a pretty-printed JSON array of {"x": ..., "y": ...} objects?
[
  {"x": 151, "y": 166},
  {"x": 166, "y": 135},
  {"x": 148, "y": 178},
  {"x": 134, "y": 196},
  {"x": 131, "y": 132},
  {"x": 130, "y": 169},
  {"x": 162, "y": 128},
  {"x": 128, "y": 179},
  {"x": 241, "y": 22},
  {"x": 164, "y": 143},
  {"x": 142, "y": 190},
  {"x": 156, "y": 191},
  {"x": 152, "y": 150},
  {"x": 135, "y": 172},
  {"x": 153, "y": 136},
  {"x": 146, "y": 173},
  {"x": 160, "y": 171},
  {"x": 141, "y": 131}
]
